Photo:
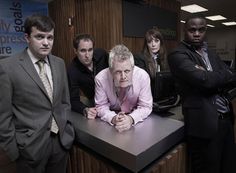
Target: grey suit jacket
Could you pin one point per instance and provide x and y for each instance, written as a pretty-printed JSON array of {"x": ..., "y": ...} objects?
[{"x": 25, "y": 108}]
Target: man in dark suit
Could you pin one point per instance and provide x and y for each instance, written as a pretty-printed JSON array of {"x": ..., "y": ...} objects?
[
  {"x": 34, "y": 128},
  {"x": 203, "y": 79}
]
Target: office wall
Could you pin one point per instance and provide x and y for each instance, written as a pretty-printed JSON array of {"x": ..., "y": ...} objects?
[
  {"x": 223, "y": 41},
  {"x": 102, "y": 19},
  {"x": 60, "y": 11}
]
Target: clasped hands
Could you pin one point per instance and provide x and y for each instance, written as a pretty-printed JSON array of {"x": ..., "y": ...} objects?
[{"x": 122, "y": 121}]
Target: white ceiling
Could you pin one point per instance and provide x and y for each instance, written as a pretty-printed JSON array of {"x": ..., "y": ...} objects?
[{"x": 226, "y": 8}]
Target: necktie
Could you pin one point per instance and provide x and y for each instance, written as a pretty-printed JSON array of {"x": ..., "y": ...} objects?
[
  {"x": 156, "y": 60},
  {"x": 43, "y": 76}
]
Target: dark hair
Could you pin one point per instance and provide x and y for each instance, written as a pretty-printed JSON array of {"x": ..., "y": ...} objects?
[
  {"x": 41, "y": 22},
  {"x": 194, "y": 16},
  {"x": 80, "y": 37},
  {"x": 155, "y": 33}
]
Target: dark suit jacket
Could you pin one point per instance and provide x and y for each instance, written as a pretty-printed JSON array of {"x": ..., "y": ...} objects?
[
  {"x": 139, "y": 60},
  {"x": 198, "y": 88},
  {"x": 26, "y": 110}
]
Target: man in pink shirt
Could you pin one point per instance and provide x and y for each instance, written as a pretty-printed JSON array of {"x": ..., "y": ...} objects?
[{"x": 122, "y": 92}]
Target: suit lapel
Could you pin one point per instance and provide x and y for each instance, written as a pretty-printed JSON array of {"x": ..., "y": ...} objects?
[
  {"x": 197, "y": 59},
  {"x": 212, "y": 60},
  {"x": 55, "y": 70},
  {"x": 28, "y": 66}
]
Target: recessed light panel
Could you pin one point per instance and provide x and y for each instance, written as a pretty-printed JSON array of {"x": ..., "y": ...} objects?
[
  {"x": 212, "y": 26},
  {"x": 216, "y": 17},
  {"x": 194, "y": 8},
  {"x": 229, "y": 23}
]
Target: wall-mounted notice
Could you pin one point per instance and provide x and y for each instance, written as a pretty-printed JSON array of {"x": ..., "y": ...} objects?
[{"x": 12, "y": 16}]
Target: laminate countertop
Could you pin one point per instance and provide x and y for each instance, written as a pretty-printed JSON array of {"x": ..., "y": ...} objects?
[{"x": 133, "y": 149}]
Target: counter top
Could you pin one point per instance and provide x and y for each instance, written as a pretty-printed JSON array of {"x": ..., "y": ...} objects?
[{"x": 133, "y": 149}]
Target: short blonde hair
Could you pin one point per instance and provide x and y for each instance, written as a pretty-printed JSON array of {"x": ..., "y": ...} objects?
[{"x": 120, "y": 53}]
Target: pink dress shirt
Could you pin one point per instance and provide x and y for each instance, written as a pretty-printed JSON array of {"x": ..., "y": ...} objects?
[{"x": 137, "y": 101}]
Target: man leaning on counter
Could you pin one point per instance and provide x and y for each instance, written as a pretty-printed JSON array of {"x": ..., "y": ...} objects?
[{"x": 122, "y": 92}]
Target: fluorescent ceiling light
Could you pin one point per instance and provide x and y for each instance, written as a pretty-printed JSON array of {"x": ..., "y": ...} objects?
[
  {"x": 212, "y": 26},
  {"x": 194, "y": 8},
  {"x": 216, "y": 17},
  {"x": 182, "y": 21},
  {"x": 229, "y": 23}
]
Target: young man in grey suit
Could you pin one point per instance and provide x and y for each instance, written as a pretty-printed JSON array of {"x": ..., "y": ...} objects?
[{"x": 34, "y": 129}]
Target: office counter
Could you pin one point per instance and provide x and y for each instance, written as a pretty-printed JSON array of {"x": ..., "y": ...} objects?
[{"x": 129, "y": 151}]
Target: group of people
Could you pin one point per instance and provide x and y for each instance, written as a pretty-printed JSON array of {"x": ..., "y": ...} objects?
[
  {"x": 108, "y": 86},
  {"x": 116, "y": 93},
  {"x": 38, "y": 92}
]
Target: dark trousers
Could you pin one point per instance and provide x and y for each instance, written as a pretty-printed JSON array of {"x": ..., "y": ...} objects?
[
  {"x": 215, "y": 155},
  {"x": 54, "y": 161}
]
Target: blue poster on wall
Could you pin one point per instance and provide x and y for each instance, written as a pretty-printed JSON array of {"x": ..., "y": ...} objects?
[{"x": 12, "y": 16}]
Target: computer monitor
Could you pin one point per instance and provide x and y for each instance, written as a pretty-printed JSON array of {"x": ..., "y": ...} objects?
[
  {"x": 165, "y": 93},
  {"x": 164, "y": 87}
]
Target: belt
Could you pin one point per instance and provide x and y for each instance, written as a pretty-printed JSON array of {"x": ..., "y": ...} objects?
[{"x": 223, "y": 116}]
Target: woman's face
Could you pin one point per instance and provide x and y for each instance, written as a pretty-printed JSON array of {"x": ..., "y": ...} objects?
[{"x": 154, "y": 45}]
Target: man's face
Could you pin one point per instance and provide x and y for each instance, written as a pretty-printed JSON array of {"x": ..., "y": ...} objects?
[
  {"x": 84, "y": 52},
  {"x": 122, "y": 72},
  {"x": 40, "y": 43},
  {"x": 195, "y": 31}
]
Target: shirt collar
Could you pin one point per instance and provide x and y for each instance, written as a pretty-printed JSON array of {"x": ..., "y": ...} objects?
[
  {"x": 155, "y": 56},
  {"x": 204, "y": 46},
  {"x": 83, "y": 67},
  {"x": 128, "y": 88},
  {"x": 34, "y": 59}
]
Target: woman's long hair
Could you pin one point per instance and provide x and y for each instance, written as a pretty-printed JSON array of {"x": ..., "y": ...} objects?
[{"x": 156, "y": 34}]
